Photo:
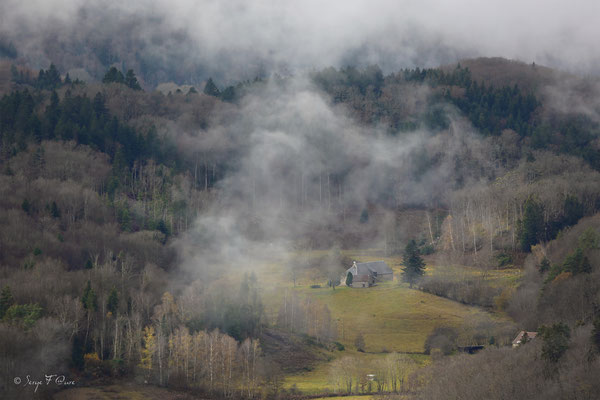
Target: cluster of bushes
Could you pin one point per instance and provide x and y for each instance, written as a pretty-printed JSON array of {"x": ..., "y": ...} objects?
[
  {"x": 473, "y": 291},
  {"x": 576, "y": 262},
  {"x": 559, "y": 363}
]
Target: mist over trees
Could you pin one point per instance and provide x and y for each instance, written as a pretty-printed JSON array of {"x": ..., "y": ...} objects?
[
  {"x": 164, "y": 168},
  {"x": 124, "y": 209}
]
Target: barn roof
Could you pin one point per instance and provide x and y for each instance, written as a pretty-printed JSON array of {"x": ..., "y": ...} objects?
[
  {"x": 367, "y": 268},
  {"x": 376, "y": 266}
]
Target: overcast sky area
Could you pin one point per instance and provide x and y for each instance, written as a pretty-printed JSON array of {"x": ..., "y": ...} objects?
[{"x": 285, "y": 35}]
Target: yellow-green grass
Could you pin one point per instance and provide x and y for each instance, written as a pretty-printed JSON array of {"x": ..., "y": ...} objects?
[
  {"x": 318, "y": 380},
  {"x": 508, "y": 277},
  {"x": 119, "y": 391},
  {"x": 366, "y": 397},
  {"x": 359, "y": 397},
  {"x": 391, "y": 317}
]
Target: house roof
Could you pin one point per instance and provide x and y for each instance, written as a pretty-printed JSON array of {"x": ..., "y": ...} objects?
[
  {"x": 530, "y": 335},
  {"x": 368, "y": 268},
  {"x": 376, "y": 266}
]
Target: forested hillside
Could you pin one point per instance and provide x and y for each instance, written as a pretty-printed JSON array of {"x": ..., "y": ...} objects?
[{"x": 136, "y": 224}]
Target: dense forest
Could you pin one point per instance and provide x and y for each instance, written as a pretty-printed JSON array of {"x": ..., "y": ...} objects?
[{"x": 123, "y": 209}]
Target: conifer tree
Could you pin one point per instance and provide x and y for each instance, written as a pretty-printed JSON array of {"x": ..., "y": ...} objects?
[
  {"x": 89, "y": 299},
  {"x": 52, "y": 77},
  {"x": 131, "y": 80},
  {"x": 531, "y": 228},
  {"x": 349, "y": 279},
  {"x": 544, "y": 265},
  {"x": 414, "y": 266},
  {"x": 112, "y": 304},
  {"x": 556, "y": 341},
  {"x": 211, "y": 89}
]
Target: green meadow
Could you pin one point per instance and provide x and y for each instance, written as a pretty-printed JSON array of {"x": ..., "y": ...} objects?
[{"x": 391, "y": 316}]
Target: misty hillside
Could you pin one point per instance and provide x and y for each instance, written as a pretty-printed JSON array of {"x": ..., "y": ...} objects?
[{"x": 184, "y": 196}]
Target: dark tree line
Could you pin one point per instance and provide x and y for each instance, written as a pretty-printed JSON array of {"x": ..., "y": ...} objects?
[
  {"x": 113, "y": 75},
  {"x": 533, "y": 228},
  {"x": 489, "y": 109},
  {"x": 25, "y": 119}
]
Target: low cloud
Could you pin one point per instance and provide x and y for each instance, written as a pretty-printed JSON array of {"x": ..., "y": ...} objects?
[{"x": 236, "y": 39}]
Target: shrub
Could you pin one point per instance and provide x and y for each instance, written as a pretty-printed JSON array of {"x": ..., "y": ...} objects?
[
  {"x": 427, "y": 249},
  {"x": 503, "y": 259},
  {"x": 24, "y": 315},
  {"x": 359, "y": 342},
  {"x": 442, "y": 338},
  {"x": 556, "y": 341}
]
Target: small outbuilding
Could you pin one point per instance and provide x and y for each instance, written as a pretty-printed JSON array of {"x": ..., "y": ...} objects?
[{"x": 368, "y": 273}]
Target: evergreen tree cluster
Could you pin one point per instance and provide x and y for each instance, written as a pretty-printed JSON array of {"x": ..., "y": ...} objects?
[
  {"x": 492, "y": 110},
  {"x": 89, "y": 300},
  {"x": 555, "y": 341},
  {"x": 436, "y": 76},
  {"x": 569, "y": 134},
  {"x": 531, "y": 228},
  {"x": 489, "y": 109},
  {"x": 575, "y": 263},
  {"x": 49, "y": 79},
  {"x": 534, "y": 228},
  {"x": 24, "y": 119},
  {"x": 229, "y": 94},
  {"x": 113, "y": 75}
]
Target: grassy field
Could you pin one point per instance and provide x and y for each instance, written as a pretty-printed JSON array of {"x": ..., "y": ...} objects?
[
  {"x": 507, "y": 277},
  {"x": 390, "y": 316},
  {"x": 120, "y": 391},
  {"x": 317, "y": 380},
  {"x": 367, "y": 397}
]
